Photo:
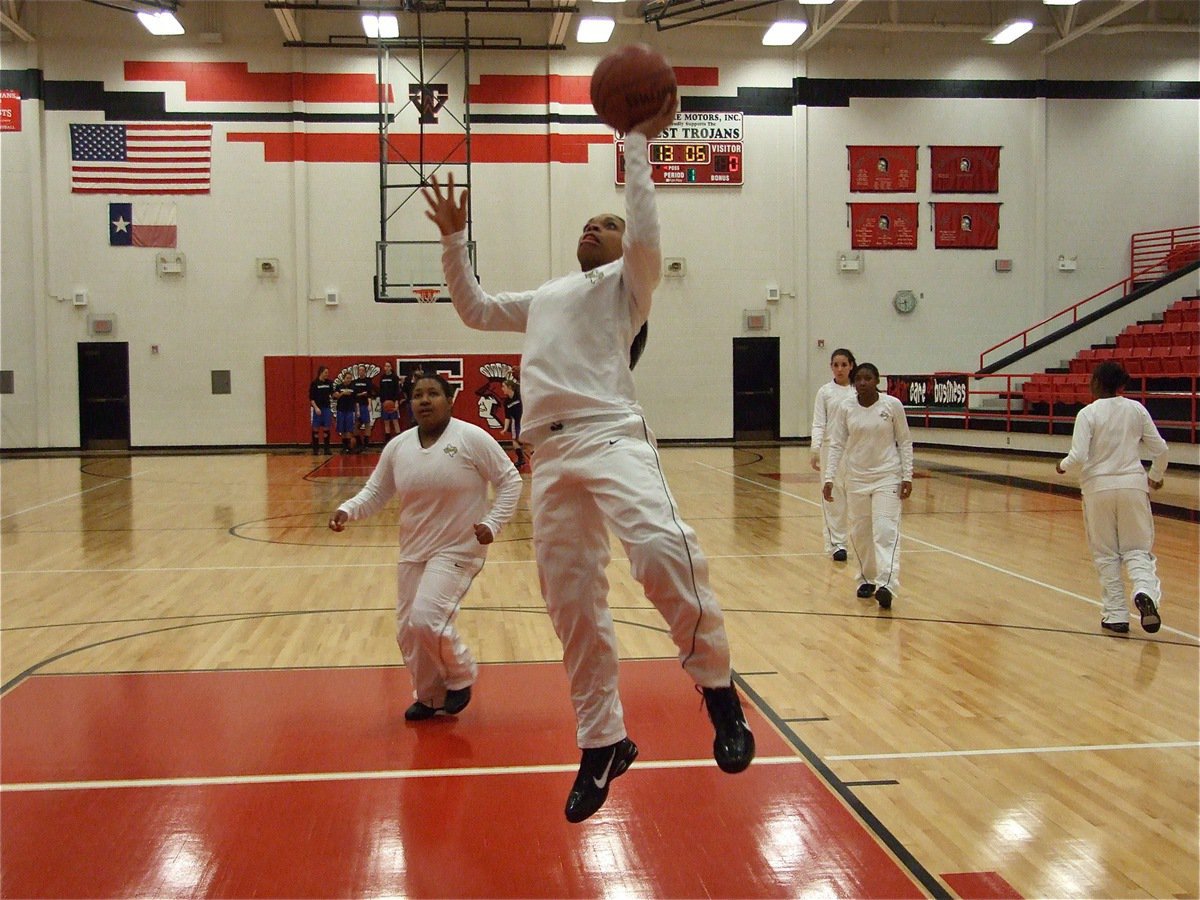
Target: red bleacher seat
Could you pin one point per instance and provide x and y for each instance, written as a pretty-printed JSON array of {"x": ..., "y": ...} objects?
[
  {"x": 1136, "y": 360},
  {"x": 1084, "y": 360},
  {"x": 1144, "y": 335},
  {"x": 1185, "y": 362},
  {"x": 1183, "y": 311}
]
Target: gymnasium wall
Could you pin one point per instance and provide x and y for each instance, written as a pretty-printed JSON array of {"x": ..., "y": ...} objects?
[{"x": 1077, "y": 177}]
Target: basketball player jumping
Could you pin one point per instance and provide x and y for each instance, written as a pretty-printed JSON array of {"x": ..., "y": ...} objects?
[{"x": 596, "y": 465}]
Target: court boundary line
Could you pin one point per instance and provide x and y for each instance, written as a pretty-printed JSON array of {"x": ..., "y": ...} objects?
[
  {"x": 96, "y": 487},
  {"x": 904, "y": 857},
  {"x": 1017, "y": 575},
  {"x": 378, "y": 775},
  {"x": 1013, "y": 751}
]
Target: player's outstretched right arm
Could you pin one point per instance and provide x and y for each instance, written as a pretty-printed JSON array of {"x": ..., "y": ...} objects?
[{"x": 505, "y": 312}]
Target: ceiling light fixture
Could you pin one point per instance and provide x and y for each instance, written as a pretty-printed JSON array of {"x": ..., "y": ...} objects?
[
  {"x": 160, "y": 23},
  {"x": 1009, "y": 31},
  {"x": 382, "y": 26},
  {"x": 1060, "y": 2},
  {"x": 784, "y": 33},
  {"x": 595, "y": 29}
]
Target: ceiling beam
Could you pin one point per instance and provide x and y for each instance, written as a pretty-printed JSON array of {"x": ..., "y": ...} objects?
[
  {"x": 829, "y": 24},
  {"x": 11, "y": 25},
  {"x": 1093, "y": 24},
  {"x": 287, "y": 21}
]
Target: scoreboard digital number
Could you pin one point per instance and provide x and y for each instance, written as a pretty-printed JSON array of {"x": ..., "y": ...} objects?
[{"x": 690, "y": 162}]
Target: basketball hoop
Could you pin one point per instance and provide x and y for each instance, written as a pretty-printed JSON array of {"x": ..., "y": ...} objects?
[{"x": 426, "y": 294}]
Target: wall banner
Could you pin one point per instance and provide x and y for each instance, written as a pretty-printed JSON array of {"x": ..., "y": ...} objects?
[
  {"x": 10, "y": 110},
  {"x": 964, "y": 170},
  {"x": 883, "y": 226},
  {"x": 478, "y": 377},
  {"x": 882, "y": 169},
  {"x": 971, "y": 226},
  {"x": 929, "y": 391}
]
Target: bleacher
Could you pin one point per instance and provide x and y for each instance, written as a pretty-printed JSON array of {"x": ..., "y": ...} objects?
[{"x": 1149, "y": 351}]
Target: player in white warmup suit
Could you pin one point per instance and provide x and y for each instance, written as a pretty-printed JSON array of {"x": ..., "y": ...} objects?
[
  {"x": 831, "y": 395},
  {"x": 596, "y": 467},
  {"x": 870, "y": 432},
  {"x": 441, "y": 471},
  {"x": 1111, "y": 434}
]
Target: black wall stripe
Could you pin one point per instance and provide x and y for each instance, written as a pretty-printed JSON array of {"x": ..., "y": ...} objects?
[{"x": 753, "y": 101}]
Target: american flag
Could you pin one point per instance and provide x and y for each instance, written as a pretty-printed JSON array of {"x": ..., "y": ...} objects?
[{"x": 174, "y": 158}]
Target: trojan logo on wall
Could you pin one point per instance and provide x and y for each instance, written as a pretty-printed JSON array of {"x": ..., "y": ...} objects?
[{"x": 429, "y": 99}]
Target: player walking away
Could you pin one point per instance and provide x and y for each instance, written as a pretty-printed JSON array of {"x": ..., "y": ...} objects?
[
  {"x": 596, "y": 464},
  {"x": 343, "y": 396},
  {"x": 362, "y": 402},
  {"x": 320, "y": 395},
  {"x": 389, "y": 400},
  {"x": 440, "y": 471},
  {"x": 1112, "y": 434},
  {"x": 829, "y": 397},
  {"x": 870, "y": 434}
]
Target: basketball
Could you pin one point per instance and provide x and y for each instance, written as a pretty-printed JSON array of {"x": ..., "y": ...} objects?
[
  {"x": 630, "y": 85},
  {"x": 389, "y": 405}
]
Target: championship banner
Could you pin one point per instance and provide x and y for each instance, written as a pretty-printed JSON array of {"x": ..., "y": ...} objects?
[
  {"x": 883, "y": 226},
  {"x": 10, "y": 110},
  {"x": 970, "y": 226},
  {"x": 882, "y": 169},
  {"x": 929, "y": 391},
  {"x": 964, "y": 170}
]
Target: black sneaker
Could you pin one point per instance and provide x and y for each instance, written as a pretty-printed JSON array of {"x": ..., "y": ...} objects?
[
  {"x": 733, "y": 747},
  {"x": 456, "y": 701},
  {"x": 1116, "y": 627},
  {"x": 884, "y": 598},
  {"x": 839, "y": 555},
  {"x": 865, "y": 591},
  {"x": 1151, "y": 621},
  {"x": 419, "y": 711},
  {"x": 598, "y": 767}
]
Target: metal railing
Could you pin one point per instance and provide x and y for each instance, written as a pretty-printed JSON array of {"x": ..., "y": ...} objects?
[
  {"x": 1004, "y": 392},
  {"x": 1155, "y": 253}
]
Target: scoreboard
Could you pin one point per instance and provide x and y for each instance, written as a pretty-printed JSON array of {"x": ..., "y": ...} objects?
[{"x": 698, "y": 149}]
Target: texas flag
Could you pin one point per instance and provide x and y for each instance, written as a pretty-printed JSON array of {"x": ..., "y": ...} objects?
[{"x": 141, "y": 224}]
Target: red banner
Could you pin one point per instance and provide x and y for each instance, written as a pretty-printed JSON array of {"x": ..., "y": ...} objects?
[
  {"x": 10, "y": 110},
  {"x": 973, "y": 226},
  {"x": 479, "y": 378},
  {"x": 965, "y": 170},
  {"x": 883, "y": 226},
  {"x": 883, "y": 169}
]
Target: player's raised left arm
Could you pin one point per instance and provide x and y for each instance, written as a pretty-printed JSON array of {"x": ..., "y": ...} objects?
[{"x": 642, "y": 247}]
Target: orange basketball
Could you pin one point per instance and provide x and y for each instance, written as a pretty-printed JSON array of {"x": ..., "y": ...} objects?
[
  {"x": 389, "y": 405},
  {"x": 630, "y": 85}
]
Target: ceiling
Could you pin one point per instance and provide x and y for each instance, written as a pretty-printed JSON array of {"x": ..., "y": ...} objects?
[{"x": 550, "y": 24}]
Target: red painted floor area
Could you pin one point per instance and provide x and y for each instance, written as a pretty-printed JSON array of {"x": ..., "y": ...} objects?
[{"x": 370, "y": 824}]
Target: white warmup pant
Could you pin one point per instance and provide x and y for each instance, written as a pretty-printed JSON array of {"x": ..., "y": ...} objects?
[
  {"x": 873, "y": 514},
  {"x": 1120, "y": 529},
  {"x": 835, "y": 510},
  {"x": 428, "y": 595},
  {"x": 597, "y": 472}
]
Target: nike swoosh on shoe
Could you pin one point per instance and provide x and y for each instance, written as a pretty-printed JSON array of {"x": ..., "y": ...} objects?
[{"x": 603, "y": 779}]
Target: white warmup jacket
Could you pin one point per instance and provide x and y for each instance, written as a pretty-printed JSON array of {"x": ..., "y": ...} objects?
[
  {"x": 829, "y": 397},
  {"x": 443, "y": 491},
  {"x": 1110, "y": 437},
  {"x": 595, "y": 462},
  {"x": 874, "y": 444}
]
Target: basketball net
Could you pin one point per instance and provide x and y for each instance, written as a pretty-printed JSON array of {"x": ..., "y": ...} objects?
[{"x": 426, "y": 294}]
